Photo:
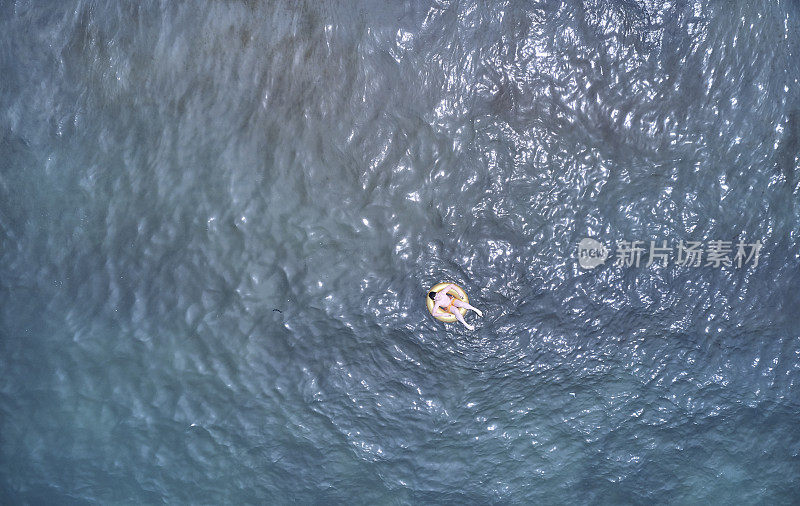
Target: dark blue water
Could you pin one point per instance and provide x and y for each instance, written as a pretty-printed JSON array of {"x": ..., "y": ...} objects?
[{"x": 219, "y": 221}]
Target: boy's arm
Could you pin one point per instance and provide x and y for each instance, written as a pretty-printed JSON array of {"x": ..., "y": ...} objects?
[{"x": 436, "y": 311}]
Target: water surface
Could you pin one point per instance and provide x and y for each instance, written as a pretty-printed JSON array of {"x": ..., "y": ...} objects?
[{"x": 219, "y": 221}]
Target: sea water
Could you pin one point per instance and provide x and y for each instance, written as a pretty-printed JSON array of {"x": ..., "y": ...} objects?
[{"x": 220, "y": 219}]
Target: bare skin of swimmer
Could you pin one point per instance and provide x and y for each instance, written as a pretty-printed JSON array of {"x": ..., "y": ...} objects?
[{"x": 442, "y": 300}]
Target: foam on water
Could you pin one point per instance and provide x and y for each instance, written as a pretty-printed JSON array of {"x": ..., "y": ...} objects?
[{"x": 219, "y": 221}]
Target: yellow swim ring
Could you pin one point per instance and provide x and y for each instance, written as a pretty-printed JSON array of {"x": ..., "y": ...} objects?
[{"x": 457, "y": 292}]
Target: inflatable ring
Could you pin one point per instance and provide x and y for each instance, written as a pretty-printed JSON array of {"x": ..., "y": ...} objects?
[{"x": 457, "y": 292}]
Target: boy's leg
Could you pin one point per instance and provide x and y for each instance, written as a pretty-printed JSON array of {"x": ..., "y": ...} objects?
[
  {"x": 460, "y": 318},
  {"x": 461, "y": 303}
]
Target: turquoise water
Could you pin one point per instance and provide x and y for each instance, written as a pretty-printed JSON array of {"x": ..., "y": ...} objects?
[{"x": 219, "y": 221}]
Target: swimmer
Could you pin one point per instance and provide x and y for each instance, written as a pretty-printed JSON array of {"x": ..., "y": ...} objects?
[{"x": 451, "y": 305}]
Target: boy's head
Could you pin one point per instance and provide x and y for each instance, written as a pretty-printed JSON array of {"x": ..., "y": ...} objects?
[{"x": 432, "y": 295}]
